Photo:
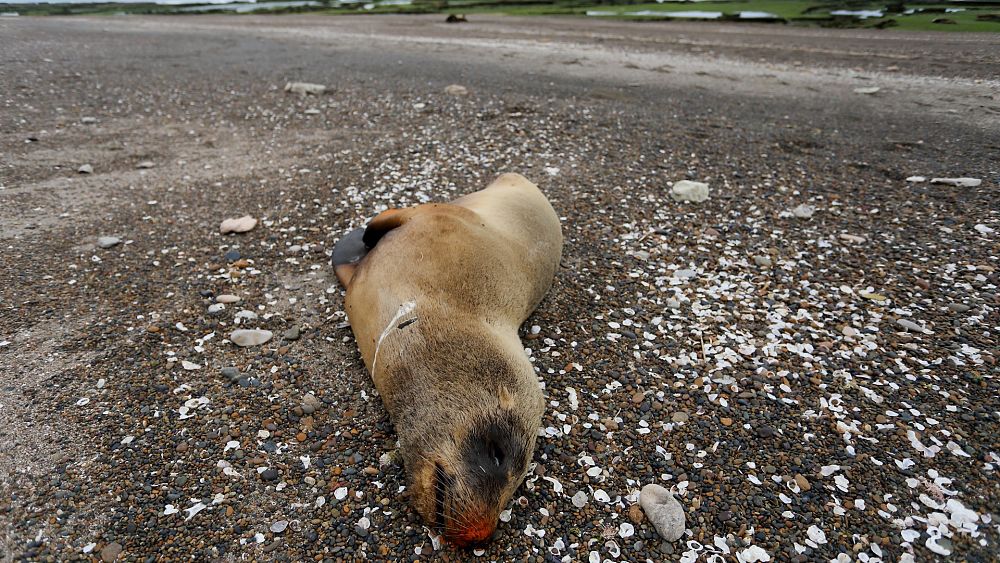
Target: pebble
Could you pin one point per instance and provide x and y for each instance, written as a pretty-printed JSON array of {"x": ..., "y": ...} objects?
[
  {"x": 910, "y": 325},
  {"x": 686, "y": 190},
  {"x": 663, "y": 511},
  {"x": 804, "y": 211},
  {"x": 292, "y": 334},
  {"x": 456, "y": 90},
  {"x": 227, "y": 298},
  {"x": 145, "y": 164},
  {"x": 305, "y": 88},
  {"x": 216, "y": 308},
  {"x": 269, "y": 474},
  {"x": 958, "y": 182},
  {"x": 240, "y": 225},
  {"x": 230, "y": 373},
  {"x": 279, "y": 526},
  {"x": 88, "y": 120},
  {"x": 867, "y": 90},
  {"x": 762, "y": 261},
  {"x": 685, "y": 274},
  {"x": 680, "y": 416},
  {"x": 958, "y": 307},
  {"x": 244, "y": 337},
  {"x": 108, "y": 242},
  {"x": 111, "y": 552},
  {"x": 231, "y": 256},
  {"x": 85, "y": 169},
  {"x": 916, "y": 179}
]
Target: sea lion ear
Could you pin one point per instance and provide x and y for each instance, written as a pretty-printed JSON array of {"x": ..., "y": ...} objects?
[
  {"x": 383, "y": 223},
  {"x": 505, "y": 397}
]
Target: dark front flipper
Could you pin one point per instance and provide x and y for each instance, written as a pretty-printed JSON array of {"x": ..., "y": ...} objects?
[{"x": 348, "y": 251}]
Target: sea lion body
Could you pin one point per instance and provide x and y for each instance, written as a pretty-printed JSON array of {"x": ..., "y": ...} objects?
[{"x": 435, "y": 307}]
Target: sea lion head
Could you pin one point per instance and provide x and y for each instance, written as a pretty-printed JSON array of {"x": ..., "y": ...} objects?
[{"x": 467, "y": 437}]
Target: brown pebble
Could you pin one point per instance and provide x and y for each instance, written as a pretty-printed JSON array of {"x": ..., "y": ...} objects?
[
  {"x": 182, "y": 447},
  {"x": 301, "y": 436},
  {"x": 726, "y": 421},
  {"x": 241, "y": 263},
  {"x": 802, "y": 482},
  {"x": 371, "y": 470},
  {"x": 635, "y": 514},
  {"x": 153, "y": 328},
  {"x": 111, "y": 552},
  {"x": 638, "y": 397}
]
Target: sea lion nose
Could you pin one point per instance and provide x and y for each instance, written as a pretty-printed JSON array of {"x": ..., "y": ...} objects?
[
  {"x": 491, "y": 459},
  {"x": 476, "y": 534}
]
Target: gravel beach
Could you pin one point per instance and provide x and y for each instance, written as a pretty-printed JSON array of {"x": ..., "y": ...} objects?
[{"x": 806, "y": 359}]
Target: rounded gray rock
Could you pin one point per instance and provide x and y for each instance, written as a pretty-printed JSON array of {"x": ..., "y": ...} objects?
[{"x": 663, "y": 511}]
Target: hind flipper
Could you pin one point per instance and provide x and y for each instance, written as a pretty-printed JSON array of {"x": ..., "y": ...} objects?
[
  {"x": 348, "y": 251},
  {"x": 385, "y": 222}
]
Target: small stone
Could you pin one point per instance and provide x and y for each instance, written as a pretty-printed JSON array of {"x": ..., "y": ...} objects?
[
  {"x": 638, "y": 397},
  {"x": 635, "y": 514},
  {"x": 279, "y": 526},
  {"x": 227, "y": 298},
  {"x": 85, "y": 169},
  {"x": 456, "y": 90},
  {"x": 215, "y": 308},
  {"x": 305, "y": 88},
  {"x": 579, "y": 500},
  {"x": 231, "y": 256},
  {"x": 726, "y": 421},
  {"x": 958, "y": 182},
  {"x": 244, "y": 337},
  {"x": 241, "y": 225},
  {"x": 766, "y": 432},
  {"x": 912, "y": 326},
  {"x": 804, "y": 211},
  {"x": 852, "y": 238},
  {"x": 958, "y": 307},
  {"x": 231, "y": 373},
  {"x": 610, "y": 424},
  {"x": 869, "y": 90},
  {"x": 291, "y": 334},
  {"x": 269, "y": 474},
  {"x": 88, "y": 120},
  {"x": 111, "y": 552},
  {"x": 145, "y": 164},
  {"x": 663, "y": 511},
  {"x": 686, "y": 190},
  {"x": 685, "y": 274},
  {"x": 762, "y": 261},
  {"x": 680, "y": 416},
  {"x": 802, "y": 482},
  {"x": 108, "y": 242},
  {"x": 916, "y": 179}
]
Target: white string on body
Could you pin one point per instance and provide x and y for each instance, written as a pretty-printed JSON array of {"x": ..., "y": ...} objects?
[{"x": 404, "y": 309}]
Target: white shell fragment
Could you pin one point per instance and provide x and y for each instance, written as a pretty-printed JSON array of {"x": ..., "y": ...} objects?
[
  {"x": 686, "y": 190},
  {"x": 663, "y": 510},
  {"x": 240, "y": 225}
]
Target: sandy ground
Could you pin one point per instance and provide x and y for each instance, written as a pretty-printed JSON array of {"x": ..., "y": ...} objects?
[{"x": 751, "y": 360}]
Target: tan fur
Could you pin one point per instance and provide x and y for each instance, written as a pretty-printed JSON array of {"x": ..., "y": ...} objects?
[{"x": 470, "y": 272}]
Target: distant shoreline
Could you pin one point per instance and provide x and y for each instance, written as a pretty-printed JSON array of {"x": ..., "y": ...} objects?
[{"x": 952, "y": 15}]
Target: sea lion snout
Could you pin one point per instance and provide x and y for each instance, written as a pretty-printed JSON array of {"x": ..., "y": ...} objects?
[{"x": 462, "y": 485}]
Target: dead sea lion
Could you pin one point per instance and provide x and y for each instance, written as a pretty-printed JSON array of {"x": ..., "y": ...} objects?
[{"x": 435, "y": 296}]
